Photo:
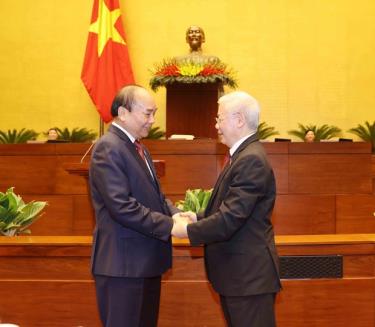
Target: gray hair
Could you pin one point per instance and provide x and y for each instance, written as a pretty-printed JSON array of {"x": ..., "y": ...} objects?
[{"x": 243, "y": 102}]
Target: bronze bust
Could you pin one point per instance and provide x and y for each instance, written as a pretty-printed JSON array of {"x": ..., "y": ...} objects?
[
  {"x": 194, "y": 67},
  {"x": 195, "y": 37}
]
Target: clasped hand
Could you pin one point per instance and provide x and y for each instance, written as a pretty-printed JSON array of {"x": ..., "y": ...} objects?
[{"x": 181, "y": 220}]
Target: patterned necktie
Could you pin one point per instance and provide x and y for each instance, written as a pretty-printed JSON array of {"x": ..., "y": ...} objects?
[{"x": 139, "y": 148}]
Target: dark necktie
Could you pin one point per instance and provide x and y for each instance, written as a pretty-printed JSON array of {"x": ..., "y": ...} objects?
[
  {"x": 227, "y": 160},
  {"x": 139, "y": 148}
]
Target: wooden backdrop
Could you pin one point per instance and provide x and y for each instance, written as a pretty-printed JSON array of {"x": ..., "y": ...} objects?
[{"x": 322, "y": 188}]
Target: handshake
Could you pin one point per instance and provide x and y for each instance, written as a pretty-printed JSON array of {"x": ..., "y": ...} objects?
[{"x": 180, "y": 222}]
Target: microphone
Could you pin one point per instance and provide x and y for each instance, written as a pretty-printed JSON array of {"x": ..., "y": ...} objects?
[{"x": 86, "y": 153}]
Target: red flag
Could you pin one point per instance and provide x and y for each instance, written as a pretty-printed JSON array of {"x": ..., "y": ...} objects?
[{"x": 106, "y": 67}]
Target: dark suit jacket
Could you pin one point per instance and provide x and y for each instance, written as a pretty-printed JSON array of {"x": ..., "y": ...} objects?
[
  {"x": 133, "y": 223},
  {"x": 240, "y": 253}
]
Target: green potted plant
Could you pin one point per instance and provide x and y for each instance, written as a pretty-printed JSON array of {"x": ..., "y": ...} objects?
[
  {"x": 155, "y": 133},
  {"x": 324, "y": 132},
  {"x": 15, "y": 136},
  {"x": 16, "y": 215},
  {"x": 365, "y": 132},
  {"x": 265, "y": 131}
]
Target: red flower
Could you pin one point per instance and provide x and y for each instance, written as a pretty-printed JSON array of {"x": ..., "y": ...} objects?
[
  {"x": 169, "y": 70},
  {"x": 212, "y": 70}
]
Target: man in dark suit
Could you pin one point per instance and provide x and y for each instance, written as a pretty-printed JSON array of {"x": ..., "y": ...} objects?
[
  {"x": 240, "y": 254},
  {"x": 131, "y": 243}
]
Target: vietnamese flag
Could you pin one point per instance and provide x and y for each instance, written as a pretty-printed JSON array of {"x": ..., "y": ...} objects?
[{"x": 106, "y": 66}]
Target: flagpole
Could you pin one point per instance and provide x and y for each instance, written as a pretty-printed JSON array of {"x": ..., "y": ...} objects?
[
  {"x": 106, "y": 66},
  {"x": 101, "y": 127}
]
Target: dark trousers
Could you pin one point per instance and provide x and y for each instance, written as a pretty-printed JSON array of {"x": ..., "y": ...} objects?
[
  {"x": 249, "y": 311},
  {"x": 128, "y": 302}
]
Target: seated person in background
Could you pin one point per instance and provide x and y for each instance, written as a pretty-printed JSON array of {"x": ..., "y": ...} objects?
[
  {"x": 53, "y": 137},
  {"x": 52, "y": 134},
  {"x": 309, "y": 136}
]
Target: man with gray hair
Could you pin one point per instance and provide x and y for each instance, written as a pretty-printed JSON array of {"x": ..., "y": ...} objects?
[{"x": 240, "y": 253}]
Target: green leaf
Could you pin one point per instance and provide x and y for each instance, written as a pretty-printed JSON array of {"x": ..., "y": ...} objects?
[
  {"x": 265, "y": 131},
  {"x": 365, "y": 132},
  {"x": 76, "y": 135},
  {"x": 155, "y": 133},
  {"x": 30, "y": 211},
  {"x": 16, "y": 215},
  {"x": 14, "y": 136},
  {"x": 195, "y": 200}
]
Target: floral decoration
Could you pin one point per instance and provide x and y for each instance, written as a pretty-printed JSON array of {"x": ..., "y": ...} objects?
[{"x": 190, "y": 71}]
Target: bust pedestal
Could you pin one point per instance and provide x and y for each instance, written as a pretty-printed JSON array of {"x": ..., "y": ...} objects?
[{"x": 192, "y": 108}]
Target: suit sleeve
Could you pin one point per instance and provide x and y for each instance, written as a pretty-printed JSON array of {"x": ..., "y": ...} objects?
[
  {"x": 172, "y": 208},
  {"x": 109, "y": 175},
  {"x": 248, "y": 183}
]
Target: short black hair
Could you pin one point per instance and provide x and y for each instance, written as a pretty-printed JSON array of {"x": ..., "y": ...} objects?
[{"x": 125, "y": 98}]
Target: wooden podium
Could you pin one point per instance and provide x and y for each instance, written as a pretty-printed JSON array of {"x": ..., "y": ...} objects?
[
  {"x": 192, "y": 108},
  {"x": 82, "y": 168}
]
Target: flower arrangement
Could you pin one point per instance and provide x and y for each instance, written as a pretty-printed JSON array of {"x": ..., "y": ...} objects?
[{"x": 189, "y": 71}]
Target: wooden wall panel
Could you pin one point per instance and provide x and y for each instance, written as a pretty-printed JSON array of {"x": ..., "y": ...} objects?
[
  {"x": 195, "y": 301},
  {"x": 355, "y": 213},
  {"x": 304, "y": 214},
  {"x": 41, "y": 303},
  {"x": 330, "y": 147},
  {"x": 187, "y": 171},
  {"x": 373, "y": 172},
  {"x": 330, "y": 173},
  {"x": 45, "y": 268},
  {"x": 40, "y": 175},
  {"x": 333, "y": 303},
  {"x": 280, "y": 165},
  {"x": 84, "y": 216},
  {"x": 57, "y": 217},
  {"x": 28, "y": 174},
  {"x": 359, "y": 266}
]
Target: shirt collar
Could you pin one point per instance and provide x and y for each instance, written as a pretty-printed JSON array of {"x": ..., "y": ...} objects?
[
  {"x": 131, "y": 137},
  {"x": 236, "y": 145}
]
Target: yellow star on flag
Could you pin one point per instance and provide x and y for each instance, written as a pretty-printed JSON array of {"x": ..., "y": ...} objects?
[{"x": 104, "y": 26}]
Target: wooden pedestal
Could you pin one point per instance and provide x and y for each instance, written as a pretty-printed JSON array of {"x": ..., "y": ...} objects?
[{"x": 192, "y": 108}]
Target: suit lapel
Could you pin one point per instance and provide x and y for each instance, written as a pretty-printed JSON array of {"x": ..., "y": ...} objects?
[
  {"x": 217, "y": 184},
  {"x": 243, "y": 145},
  {"x": 155, "y": 180},
  {"x": 131, "y": 147}
]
